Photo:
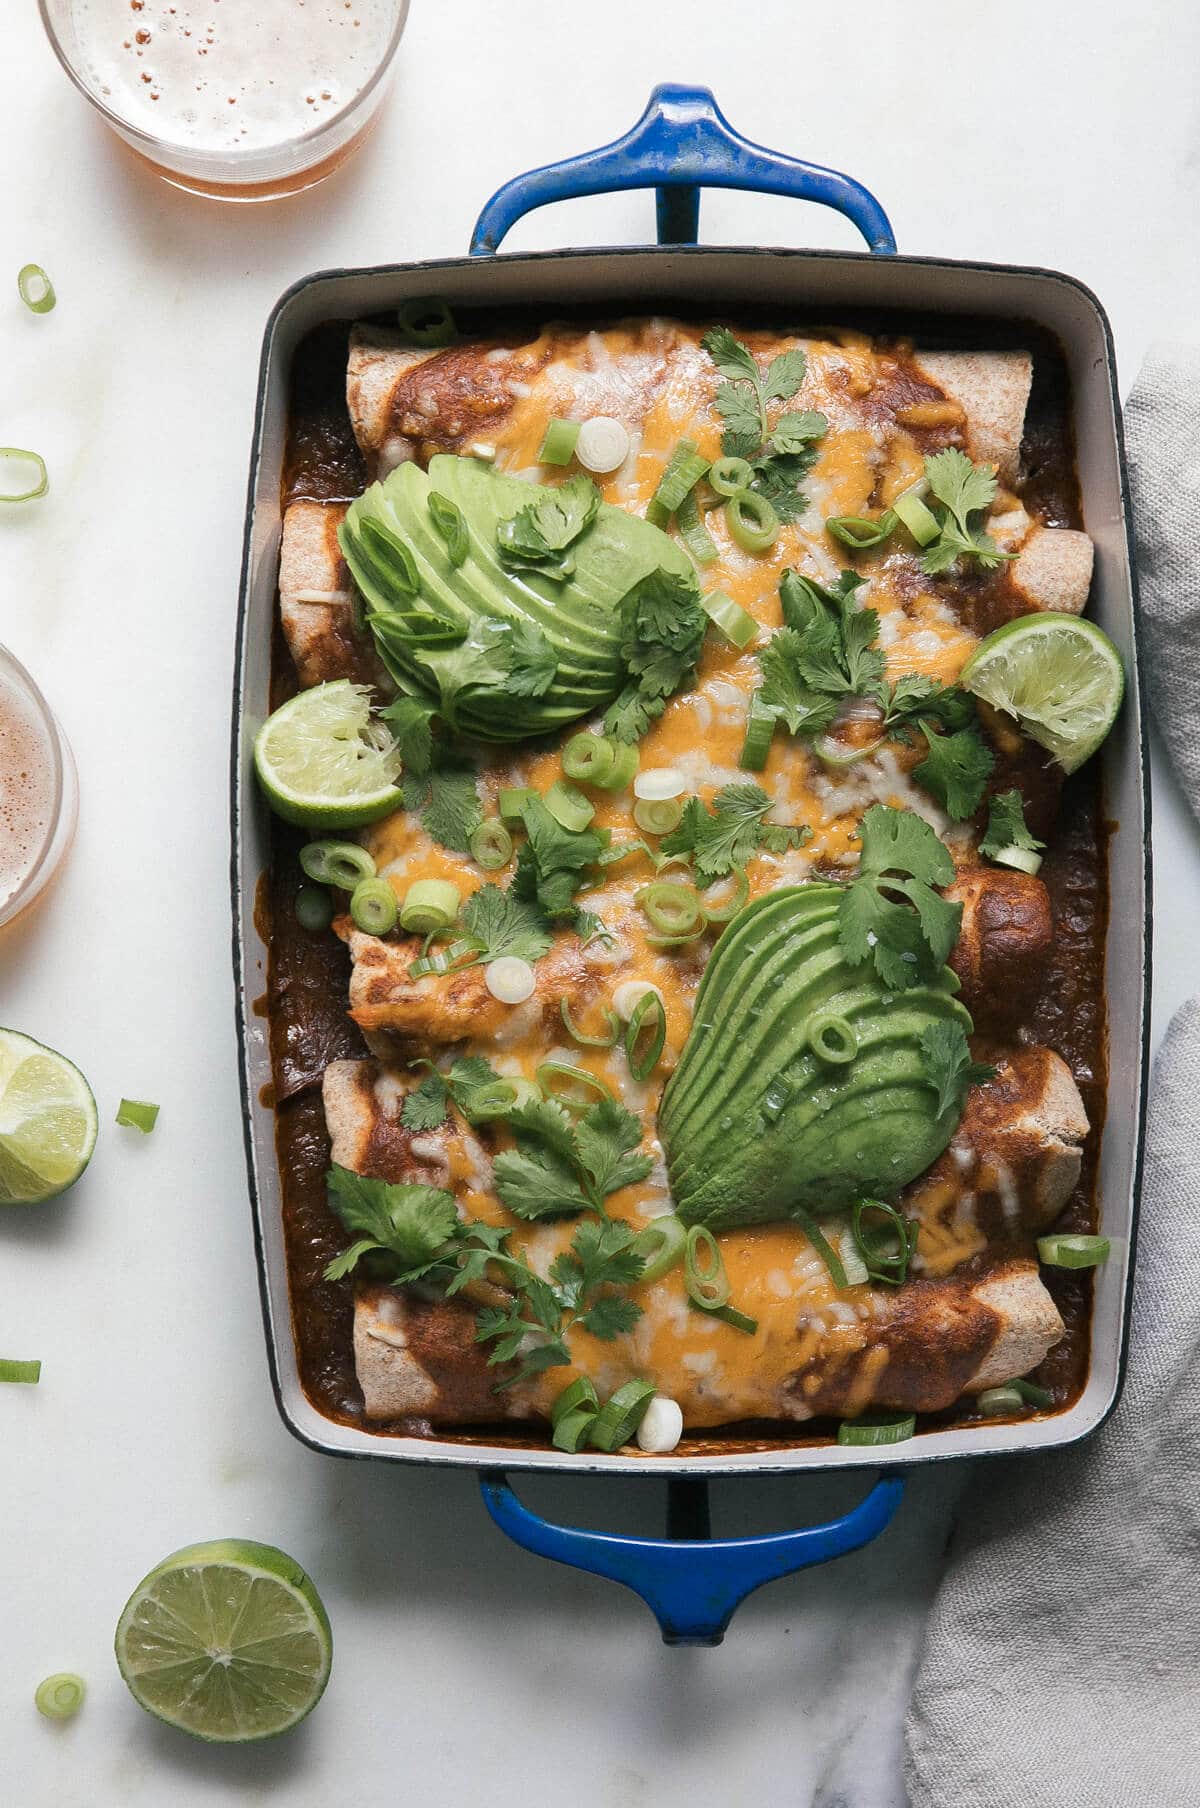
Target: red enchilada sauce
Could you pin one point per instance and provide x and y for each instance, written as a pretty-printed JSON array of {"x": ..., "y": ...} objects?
[{"x": 309, "y": 973}]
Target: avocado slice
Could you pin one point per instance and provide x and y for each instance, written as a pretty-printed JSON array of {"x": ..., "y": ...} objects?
[
  {"x": 753, "y": 1121},
  {"x": 418, "y": 600}
]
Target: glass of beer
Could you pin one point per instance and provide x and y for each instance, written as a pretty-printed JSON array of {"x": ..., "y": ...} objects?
[
  {"x": 243, "y": 100},
  {"x": 39, "y": 796}
]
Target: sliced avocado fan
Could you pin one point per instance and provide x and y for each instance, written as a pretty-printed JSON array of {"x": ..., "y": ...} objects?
[
  {"x": 753, "y": 1120},
  {"x": 501, "y": 653}
]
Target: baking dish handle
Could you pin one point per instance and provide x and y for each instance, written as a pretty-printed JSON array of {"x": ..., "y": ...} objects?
[
  {"x": 691, "y": 1583},
  {"x": 682, "y": 142}
]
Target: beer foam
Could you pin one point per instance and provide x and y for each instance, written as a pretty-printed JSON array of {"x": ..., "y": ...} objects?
[{"x": 26, "y": 789}]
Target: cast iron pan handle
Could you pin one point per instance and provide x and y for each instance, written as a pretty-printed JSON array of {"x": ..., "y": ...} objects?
[
  {"x": 682, "y": 142},
  {"x": 691, "y": 1583}
]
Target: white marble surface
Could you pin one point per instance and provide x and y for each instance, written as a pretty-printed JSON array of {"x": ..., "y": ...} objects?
[{"x": 1064, "y": 136}]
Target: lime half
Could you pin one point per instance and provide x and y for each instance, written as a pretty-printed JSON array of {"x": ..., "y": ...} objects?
[
  {"x": 227, "y": 1641},
  {"x": 1058, "y": 675},
  {"x": 324, "y": 763},
  {"x": 47, "y": 1121}
]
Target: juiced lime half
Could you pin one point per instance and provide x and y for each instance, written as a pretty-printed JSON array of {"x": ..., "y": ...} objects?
[
  {"x": 227, "y": 1641},
  {"x": 47, "y": 1121},
  {"x": 324, "y": 762},
  {"x": 1060, "y": 676}
]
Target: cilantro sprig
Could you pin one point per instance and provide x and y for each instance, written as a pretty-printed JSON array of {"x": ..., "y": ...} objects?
[
  {"x": 438, "y": 785},
  {"x": 964, "y": 490},
  {"x": 956, "y": 769},
  {"x": 553, "y": 863},
  {"x": 662, "y": 632},
  {"x": 782, "y": 453},
  {"x": 731, "y": 833},
  {"x": 541, "y": 533},
  {"x": 949, "y": 1068},
  {"x": 891, "y": 914},
  {"x": 824, "y": 652},
  {"x": 471, "y": 1084},
  {"x": 563, "y": 1164},
  {"x": 1006, "y": 827},
  {"x": 412, "y": 1224}
]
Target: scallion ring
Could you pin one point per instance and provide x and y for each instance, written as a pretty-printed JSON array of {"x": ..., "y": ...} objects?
[
  {"x": 683, "y": 471},
  {"x": 1073, "y": 1252},
  {"x": 658, "y": 815},
  {"x": 736, "y": 624},
  {"x": 619, "y": 1418},
  {"x": 573, "y": 1430},
  {"x": 373, "y": 907},
  {"x": 512, "y": 801},
  {"x": 579, "y": 1393},
  {"x": 28, "y": 1372},
  {"x": 429, "y": 905},
  {"x": 837, "y": 754},
  {"x": 752, "y": 521},
  {"x": 463, "y": 953},
  {"x": 662, "y": 1245},
  {"x": 693, "y": 532},
  {"x": 776, "y": 1099},
  {"x": 760, "y": 732},
  {"x": 859, "y": 532},
  {"x": 741, "y": 891},
  {"x": 340, "y": 863},
  {"x": 831, "y": 1038},
  {"x": 1032, "y": 1393},
  {"x": 920, "y": 521},
  {"x": 313, "y": 908},
  {"x": 729, "y": 475},
  {"x": 58, "y": 1697},
  {"x": 671, "y": 908},
  {"x": 704, "y": 1273},
  {"x": 999, "y": 1402},
  {"x": 612, "y": 1028},
  {"x": 138, "y": 1114},
  {"x": 729, "y": 1315},
  {"x": 587, "y": 759},
  {"x": 20, "y": 455},
  {"x": 558, "y": 443},
  {"x": 645, "y": 1035},
  {"x": 887, "y": 1248},
  {"x": 428, "y": 323},
  {"x": 554, "y": 1076},
  {"x": 569, "y": 807},
  {"x": 880, "y": 1428},
  {"x": 451, "y": 524},
  {"x": 822, "y": 1245},
  {"x": 35, "y": 289},
  {"x": 491, "y": 845}
]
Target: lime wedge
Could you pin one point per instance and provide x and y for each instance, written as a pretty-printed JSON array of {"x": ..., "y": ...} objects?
[
  {"x": 324, "y": 763},
  {"x": 1058, "y": 675},
  {"x": 227, "y": 1641},
  {"x": 47, "y": 1121}
]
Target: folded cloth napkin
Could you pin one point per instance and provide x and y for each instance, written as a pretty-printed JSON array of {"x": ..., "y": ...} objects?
[{"x": 1061, "y": 1666}]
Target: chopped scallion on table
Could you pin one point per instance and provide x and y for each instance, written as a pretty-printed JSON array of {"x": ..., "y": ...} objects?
[
  {"x": 137, "y": 1114},
  {"x": 35, "y": 289},
  {"x": 58, "y": 1697},
  {"x": 29, "y": 1372},
  {"x": 40, "y": 478}
]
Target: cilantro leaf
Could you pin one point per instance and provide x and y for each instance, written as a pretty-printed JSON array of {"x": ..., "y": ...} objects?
[
  {"x": 536, "y": 1183},
  {"x": 505, "y": 924},
  {"x": 794, "y": 433},
  {"x": 413, "y": 1223},
  {"x": 730, "y": 356},
  {"x": 891, "y": 915},
  {"x": 949, "y": 1068},
  {"x": 606, "y": 1137},
  {"x": 824, "y": 653},
  {"x": 609, "y": 1316},
  {"x": 427, "y": 1106},
  {"x": 553, "y": 862},
  {"x": 964, "y": 489},
  {"x": 743, "y": 430},
  {"x": 662, "y": 632},
  {"x": 410, "y": 721},
  {"x": 539, "y": 535},
  {"x": 776, "y": 476},
  {"x": 453, "y": 811},
  {"x": 1006, "y": 827},
  {"x": 785, "y": 375},
  {"x": 787, "y": 688},
  {"x": 732, "y": 833},
  {"x": 532, "y": 664},
  {"x": 504, "y": 657},
  {"x": 914, "y": 697},
  {"x": 956, "y": 770}
]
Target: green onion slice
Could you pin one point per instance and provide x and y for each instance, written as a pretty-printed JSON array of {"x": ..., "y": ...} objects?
[
  {"x": 463, "y": 953},
  {"x": 658, "y": 815},
  {"x": 451, "y": 524},
  {"x": 1074, "y": 1252},
  {"x": 671, "y": 908},
  {"x": 612, "y": 1028},
  {"x": 589, "y": 758},
  {"x": 581, "y": 1393},
  {"x": 838, "y": 754},
  {"x": 704, "y": 1273},
  {"x": 741, "y": 891},
  {"x": 619, "y": 1418},
  {"x": 736, "y": 624},
  {"x": 30, "y": 1372},
  {"x": 573, "y": 1430},
  {"x": 887, "y": 1248},
  {"x": 554, "y": 1076},
  {"x": 920, "y": 521},
  {"x": 693, "y": 532},
  {"x": 512, "y": 801},
  {"x": 832, "y": 1038},
  {"x": 491, "y": 845},
  {"x": 645, "y": 1036},
  {"x": 430, "y": 905},
  {"x": 997, "y": 1402},
  {"x": 1032, "y": 1393},
  {"x": 58, "y": 1697},
  {"x": 775, "y": 1099},
  {"x": 35, "y": 289},
  {"x": 662, "y": 1245},
  {"x": 340, "y": 863},
  {"x": 41, "y": 483},
  {"x": 684, "y": 469},
  {"x": 822, "y": 1245},
  {"x": 729, "y": 1315},
  {"x": 373, "y": 906},
  {"x": 569, "y": 807},
  {"x": 880, "y": 1428},
  {"x": 752, "y": 521},
  {"x": 429, "y": 323},
  {"x": 859, "y": 532},
  {"x": 729, "y": 475},
  {"x": 313, "y": 907},
  {"x": 138, "y": 1114},
  {"x": 558, "y": 447},
  {"x": 760, "y": 731},
  {"x": 1024, "y": 860}
]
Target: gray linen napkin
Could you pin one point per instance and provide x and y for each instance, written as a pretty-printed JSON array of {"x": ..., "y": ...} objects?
[{"x": 1061, "y": 1666}]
